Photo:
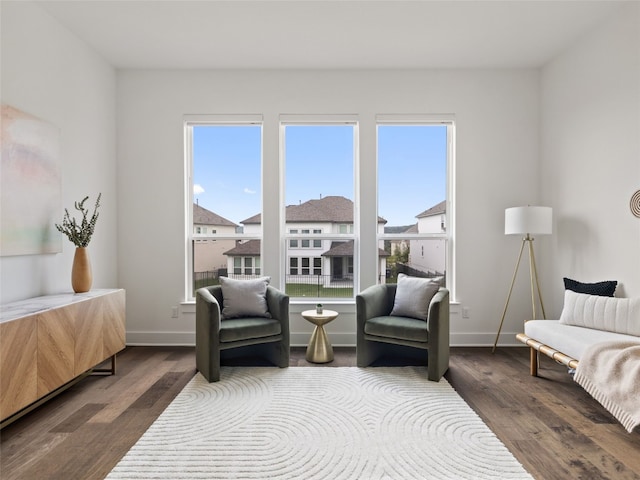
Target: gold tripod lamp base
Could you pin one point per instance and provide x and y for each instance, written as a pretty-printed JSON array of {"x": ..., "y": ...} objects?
[{"x": 522, "y": 220}]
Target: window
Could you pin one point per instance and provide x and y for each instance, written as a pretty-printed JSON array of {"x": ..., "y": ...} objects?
[
  {"x": 305, "y": 242},
  {"x": 317, "y": 243},
  {"x": 413, "y": 163},
  {"x": 319, "y": 158},
  {"x": 224, "y": 164},
  {"x": 306, "y": 265},
  {"x": 319, "y": 238},
  {"x": 246, "y": 266},
  {"x": 293, "y": 243}
]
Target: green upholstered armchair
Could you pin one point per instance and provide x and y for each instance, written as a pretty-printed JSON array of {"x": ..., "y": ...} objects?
[
  {"x": 214, "y": 334},
  {"x": 376, "y": 329}
]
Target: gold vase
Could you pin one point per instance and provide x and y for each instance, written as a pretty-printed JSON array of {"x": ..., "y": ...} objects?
[{"x": 81, "y": 277}]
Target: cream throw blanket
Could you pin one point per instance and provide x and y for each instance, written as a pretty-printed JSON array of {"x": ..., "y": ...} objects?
[{"x": 610, "y": 372}]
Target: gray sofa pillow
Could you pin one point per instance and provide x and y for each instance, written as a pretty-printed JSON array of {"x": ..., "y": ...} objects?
[
  {"x": 413, "y": 296},
  {"x": 244, "y": 298}
]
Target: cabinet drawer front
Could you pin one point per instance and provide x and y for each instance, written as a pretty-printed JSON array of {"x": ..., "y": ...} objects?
[
  {"x": 55, "y": 348},
  {"x": 18, "y": 366}
]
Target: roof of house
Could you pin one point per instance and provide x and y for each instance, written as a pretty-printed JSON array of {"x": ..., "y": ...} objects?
[
  {"x": 333, "y": 208},
  {"x": 202, "y": 216},
  {"x": 338, "y": 249},
  {"x": 402, "y": 229},
  {"x": 435, "y": 210},
  {"x": 345, "y": 249},
  {"x": 250, "y": 247}
]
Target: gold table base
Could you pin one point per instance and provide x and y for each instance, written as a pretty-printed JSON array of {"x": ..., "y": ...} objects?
[{"x": 319, "y": 349}]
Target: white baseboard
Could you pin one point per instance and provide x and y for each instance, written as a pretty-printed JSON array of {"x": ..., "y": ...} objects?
[
  {"x": 301, "y": 339},
  {"x": 177, "y": 339}
]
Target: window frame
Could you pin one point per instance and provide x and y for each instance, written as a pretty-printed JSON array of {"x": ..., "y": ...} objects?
[
  {"x": 362, "y": 187},
  {"x": 321, "y": 120},
  {"x": 449, "y": 221},
  {"x": 189, "y": 122}
]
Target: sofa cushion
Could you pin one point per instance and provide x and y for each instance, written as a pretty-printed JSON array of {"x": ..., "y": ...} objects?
[
  {"x": 247, "y": 328},
  {"x": 244, "y": 298},
  {"x": 612, "y": 314},
  {"x": 569, "y": 339},
  {"x": 402, "y": 328},
  {"x": 413, "y": 295},
  {"x": 605, "y": 289}
]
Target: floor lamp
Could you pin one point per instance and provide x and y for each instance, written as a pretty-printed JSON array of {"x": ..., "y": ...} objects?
[{"x": 526, "y": 221}]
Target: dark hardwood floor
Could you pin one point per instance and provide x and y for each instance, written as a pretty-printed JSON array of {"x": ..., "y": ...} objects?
[{"x": 552, "y": 426}]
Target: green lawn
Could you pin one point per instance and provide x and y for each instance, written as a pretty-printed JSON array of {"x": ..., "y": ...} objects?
[
  {"x": 303, "y": 290},
  {"x": 296, "y": 289}
]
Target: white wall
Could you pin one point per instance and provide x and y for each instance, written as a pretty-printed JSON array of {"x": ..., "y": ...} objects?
[
  {"x": 590, "y": 148},
  {"x": 49, "y": 73},
  {"x": 567, "y": 137},
  {"x": 496, "y": 114}
]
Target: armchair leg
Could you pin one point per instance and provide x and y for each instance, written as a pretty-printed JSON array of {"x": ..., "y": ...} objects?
[
  {"x": 213, "y": 372},
  {"x": 208, "y": 363},
  {"x": 436, "y": 366},
  {"x": 283, "y": 361},
  {"x": 367, "y": 352}
]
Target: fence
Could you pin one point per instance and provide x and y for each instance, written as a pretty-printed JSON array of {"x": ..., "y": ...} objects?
[
  {"x": 407, "y": 270},
  {"x": 206, "y": 279},
  {"x": 321, "y": 286}
]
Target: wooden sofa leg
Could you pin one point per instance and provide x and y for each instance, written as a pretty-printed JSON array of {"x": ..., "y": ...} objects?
[{"x": 534, "y": 360}]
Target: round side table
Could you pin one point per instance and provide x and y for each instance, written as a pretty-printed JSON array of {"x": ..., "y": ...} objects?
[{"x": 319, "y": 349}]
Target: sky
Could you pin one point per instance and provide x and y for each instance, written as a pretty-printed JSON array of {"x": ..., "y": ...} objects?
[{"x": 319, "y": 161}]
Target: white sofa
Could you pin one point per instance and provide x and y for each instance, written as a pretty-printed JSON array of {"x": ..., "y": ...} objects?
[{"x": 585, "y": 321}]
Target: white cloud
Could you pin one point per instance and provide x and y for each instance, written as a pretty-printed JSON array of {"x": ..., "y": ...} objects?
[
  {"x": 249, "y": 191},
  {"x": 197, "y": 189}
]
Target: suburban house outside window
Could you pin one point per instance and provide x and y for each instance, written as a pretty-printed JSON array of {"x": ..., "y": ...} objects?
[
  {"x": 319, "y": 156},
  {"x": 224, "y": 165},
  {"x": 415, "y": 154}
]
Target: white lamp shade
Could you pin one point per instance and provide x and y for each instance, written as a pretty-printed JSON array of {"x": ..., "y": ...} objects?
[{"x": 524, "y": 220}]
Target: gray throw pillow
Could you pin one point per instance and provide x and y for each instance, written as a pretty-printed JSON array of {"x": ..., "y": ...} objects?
[
  {"x": 413, "y": 296},
  {"x": 244, "y": 298}
]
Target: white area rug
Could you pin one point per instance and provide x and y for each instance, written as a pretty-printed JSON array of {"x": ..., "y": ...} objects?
[{"x": 319, "y": 423}]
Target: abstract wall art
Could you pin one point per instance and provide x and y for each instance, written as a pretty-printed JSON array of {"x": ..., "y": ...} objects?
[{"x": 30, "y": 185}]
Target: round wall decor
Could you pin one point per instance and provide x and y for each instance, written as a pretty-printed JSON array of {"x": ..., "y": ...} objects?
[{"x": 635, "y": 204}]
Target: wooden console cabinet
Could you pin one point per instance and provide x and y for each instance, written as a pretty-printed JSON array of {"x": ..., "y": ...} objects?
[{"x": 46, "y": 342}]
